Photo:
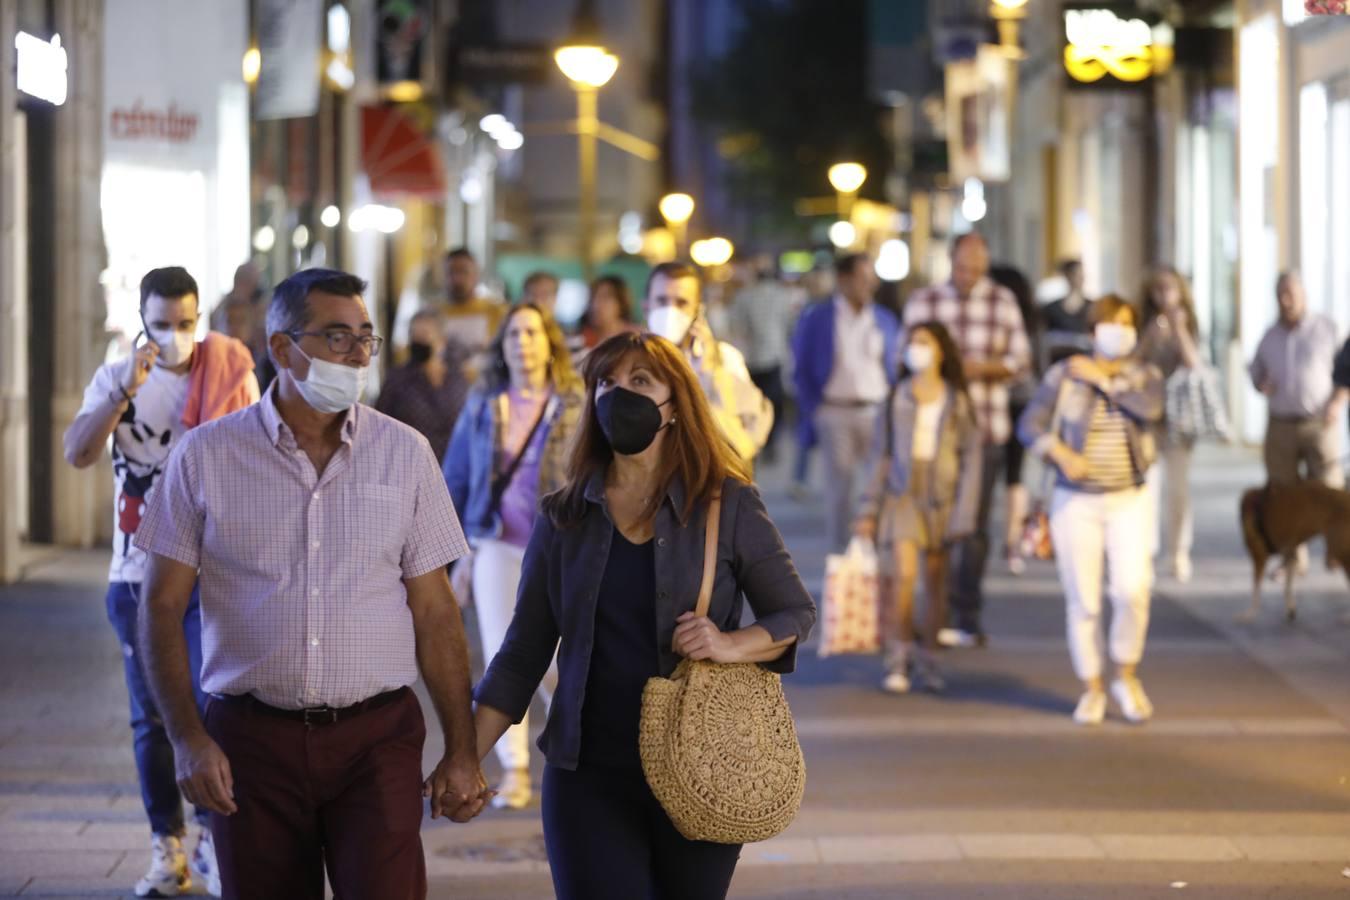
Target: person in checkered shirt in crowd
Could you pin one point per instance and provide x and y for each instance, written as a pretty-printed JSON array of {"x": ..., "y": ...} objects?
[
  {"x": 321, "y": 530},
  {"x": 987, "y": 325}
]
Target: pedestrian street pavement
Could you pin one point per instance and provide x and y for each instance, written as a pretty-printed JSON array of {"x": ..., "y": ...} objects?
[{"x": 1239, "y": 788}]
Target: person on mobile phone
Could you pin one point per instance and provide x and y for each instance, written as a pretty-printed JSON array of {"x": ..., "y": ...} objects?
[
  {"x": 146, "y": 402},
  {"x": 674, "y": 310}
]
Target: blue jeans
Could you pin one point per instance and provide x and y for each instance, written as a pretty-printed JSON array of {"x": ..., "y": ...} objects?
[{"x": 154, "y": 753}]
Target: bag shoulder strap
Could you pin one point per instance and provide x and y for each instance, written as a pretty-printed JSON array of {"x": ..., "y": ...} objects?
[
  {"x": 709, "y": 556},
  {"x": 502, "y": 479}
]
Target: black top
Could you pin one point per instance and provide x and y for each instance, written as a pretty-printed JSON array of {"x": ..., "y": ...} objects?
[
  {"x": 561, "y": 580},
  {"x": 623, "y": 657},
  {"x": 411, "y": 398},
  {"x": 1066, "y": 333}
]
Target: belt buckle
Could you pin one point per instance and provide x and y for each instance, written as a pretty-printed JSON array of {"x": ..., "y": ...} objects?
[{"x": 319, "y": 715}]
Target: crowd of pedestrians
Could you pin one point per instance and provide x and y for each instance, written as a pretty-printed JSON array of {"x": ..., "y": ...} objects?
[{"x": 563, "y": 484}]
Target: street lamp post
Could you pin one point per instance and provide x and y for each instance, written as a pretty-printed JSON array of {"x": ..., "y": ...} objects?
[
  {"x": 677, "y": 209},
  {"x": 589, "y": 67}
]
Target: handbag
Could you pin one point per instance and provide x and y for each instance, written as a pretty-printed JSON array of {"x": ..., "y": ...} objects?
[
  {"x": 1194, "y": 407},
  {"x": 851, "y": 601},
  {"x": 718, "y": 746},
  {"x": 1035, "y": 542}
]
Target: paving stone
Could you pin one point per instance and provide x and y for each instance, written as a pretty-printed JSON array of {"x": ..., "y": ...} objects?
[
  {"x": 782, "y": 851},
  {"x": 1169, "y": 847},
  {"x": 873, "y": 849},
  {"x": 46, "y": 863},
  {"x": 1308, "y": 848},
  {"x": 1029, "y": 846}
]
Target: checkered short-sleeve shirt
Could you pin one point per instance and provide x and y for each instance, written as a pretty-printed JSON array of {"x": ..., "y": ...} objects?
[
  {"x": 987, "y": 326},
  {"x": 303, "y": 601}
]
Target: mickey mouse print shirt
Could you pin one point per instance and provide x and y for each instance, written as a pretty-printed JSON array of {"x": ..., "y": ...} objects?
[{"x": 140, "y": 447}]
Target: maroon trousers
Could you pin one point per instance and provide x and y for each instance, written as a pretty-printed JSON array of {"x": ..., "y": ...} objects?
[{"x": 346, "y": 795}]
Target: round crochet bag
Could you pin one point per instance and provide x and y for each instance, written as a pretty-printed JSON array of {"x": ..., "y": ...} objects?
[{"x": 717, "y": 741}]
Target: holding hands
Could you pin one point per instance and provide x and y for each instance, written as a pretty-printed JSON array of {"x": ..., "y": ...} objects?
[{"x": 457, "y": 789}]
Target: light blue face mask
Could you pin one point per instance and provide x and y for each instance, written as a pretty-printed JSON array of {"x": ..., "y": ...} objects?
[{"x": 331, "y": 387}]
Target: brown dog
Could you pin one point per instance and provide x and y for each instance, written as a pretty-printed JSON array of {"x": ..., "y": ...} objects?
[{"x": 1277, "y": 518}]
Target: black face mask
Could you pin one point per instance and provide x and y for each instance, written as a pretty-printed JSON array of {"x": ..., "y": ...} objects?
[
  {"x": 419, "y": 352},
  {"x": 630, "y": 421}
]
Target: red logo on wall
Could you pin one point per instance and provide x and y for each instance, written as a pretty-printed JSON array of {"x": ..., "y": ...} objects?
[{"x": 141, "y": 124}]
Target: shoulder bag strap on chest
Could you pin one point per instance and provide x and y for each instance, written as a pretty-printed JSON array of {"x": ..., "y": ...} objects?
[{"x": 709, "y": 556}]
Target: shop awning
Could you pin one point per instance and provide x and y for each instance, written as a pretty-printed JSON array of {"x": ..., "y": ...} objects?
[{"x": 398, "y": 158}]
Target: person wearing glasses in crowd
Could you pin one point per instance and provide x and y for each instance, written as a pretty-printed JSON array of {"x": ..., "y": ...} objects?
[
  {"x": 322, "y": 530},
  {"x": 146, "y": 403},
  {"x": 508, "y": 450}
]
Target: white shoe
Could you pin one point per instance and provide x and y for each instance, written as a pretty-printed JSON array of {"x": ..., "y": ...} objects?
[
  {"x": 1133, "y": 702},
  {"x": 1182, "y": 569},
  {"x": 896, "y": 682},
  {"x": 168, "y": 873},
  {"x": 203, "y": 863},
  {"x": 1091, "y": 708},
  {"x": 959, "y": 639},
  {"x": 515, "y": 790}
]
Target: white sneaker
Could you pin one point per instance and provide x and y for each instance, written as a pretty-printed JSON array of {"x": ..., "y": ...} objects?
[
  {"x": 1182, "y": 569},
  {"x": 1133, "y": 702},
  {"x": 959, "y": 639},
  {"x": 896, "y": 682},
  {"x": 168, "y": 874},
  {"x": 1091, "y": 709},
  {"x": 203, "y": 863},
  {"x": 515, "y": 790}
]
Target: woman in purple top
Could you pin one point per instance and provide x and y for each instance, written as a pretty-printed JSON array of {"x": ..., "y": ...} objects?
[{"x": 508, "y": 450}]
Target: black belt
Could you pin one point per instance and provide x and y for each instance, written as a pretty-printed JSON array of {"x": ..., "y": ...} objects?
[
  {"x": 851, "y": 404},
  {"x": 314, "y": 715}
]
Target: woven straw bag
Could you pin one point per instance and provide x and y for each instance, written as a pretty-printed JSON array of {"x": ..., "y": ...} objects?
[{"x": 717, "y": 741}]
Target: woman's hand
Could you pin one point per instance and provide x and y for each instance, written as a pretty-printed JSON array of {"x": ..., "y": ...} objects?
[
  {"x": 697, "y": 638},
  {"x": 1085, "y": 369},
  {"x": 1073, "y": 464}
]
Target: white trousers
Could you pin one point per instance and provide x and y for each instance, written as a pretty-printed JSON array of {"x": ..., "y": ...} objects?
[
  {"x": 1169, "y": 483},
  {"x": 1087, "y": 530},
  {"x": 496, "y": 579}
]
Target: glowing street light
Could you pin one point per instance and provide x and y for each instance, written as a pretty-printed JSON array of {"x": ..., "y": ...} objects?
[
  {"x": 677, "y": 209},
  {"x": 843, "y": 234},
  {"x": 847, "y": 177},
  {"x": 588, "y": 66},
  {"x": 712, "y": 252},
  {"x": 252, "y": 65}
]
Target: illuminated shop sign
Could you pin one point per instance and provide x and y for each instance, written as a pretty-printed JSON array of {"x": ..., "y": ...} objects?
[
  {"x": 1115, "y": 45},
  {"x": 40, "y": 67}
]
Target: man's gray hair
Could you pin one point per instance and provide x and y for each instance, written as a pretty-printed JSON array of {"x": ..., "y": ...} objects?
[{"x": 289, "y": 309}]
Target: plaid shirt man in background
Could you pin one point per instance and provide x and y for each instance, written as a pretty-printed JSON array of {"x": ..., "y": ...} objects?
[{"x": 987, "y": 325}]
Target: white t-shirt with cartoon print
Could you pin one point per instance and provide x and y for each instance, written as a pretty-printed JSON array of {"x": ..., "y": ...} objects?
[{"x": 140, "y": 448}]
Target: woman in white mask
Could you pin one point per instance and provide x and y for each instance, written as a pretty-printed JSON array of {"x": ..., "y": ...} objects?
[
  {"x": 921, "y": 497},
  {"x": 1093, "y": 420}
]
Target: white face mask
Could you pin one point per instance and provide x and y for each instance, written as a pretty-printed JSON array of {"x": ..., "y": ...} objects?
[
  {"x": 1114, "y": 341},
  {"x": 919, "y": 357},
  {"x": 175, "y": 347},
  {"x": 331, "y": 387},
  {"x": 670, "y": 323}
]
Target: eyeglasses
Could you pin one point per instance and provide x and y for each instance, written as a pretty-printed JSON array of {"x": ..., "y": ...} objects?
[{"x": 342, "y": 342}]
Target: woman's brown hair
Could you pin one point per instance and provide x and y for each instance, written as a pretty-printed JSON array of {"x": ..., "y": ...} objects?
[
  {"x": 497, "y": 376},
  {"x": 1152, "y": 310},
  {"x": 1105, "y": 309},
  {"x": 695, "y": 450}
]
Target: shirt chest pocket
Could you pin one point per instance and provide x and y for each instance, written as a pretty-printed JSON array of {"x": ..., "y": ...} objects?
[{"x": 371, "y": 523}]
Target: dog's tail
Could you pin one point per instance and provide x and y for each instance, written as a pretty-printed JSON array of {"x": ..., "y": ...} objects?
[{"x": 1253, "y": 533}]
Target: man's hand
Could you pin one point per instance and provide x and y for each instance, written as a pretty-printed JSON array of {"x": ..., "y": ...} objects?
[
  {"x": 204, "y": 774},
  {"x": 697, "y": 638},
  {"x": 141, "y": 363},
  {"x": 981, "y": 370},
  {"x": 457, "y": 789},
  {"x": 1072, "y": 463},
  {"x": 702, "y": 345}
]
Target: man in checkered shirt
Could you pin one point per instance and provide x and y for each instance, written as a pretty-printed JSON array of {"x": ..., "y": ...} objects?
[
  {"x": 987, "y": 325},
  {"x": 321, "y": 530}
]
